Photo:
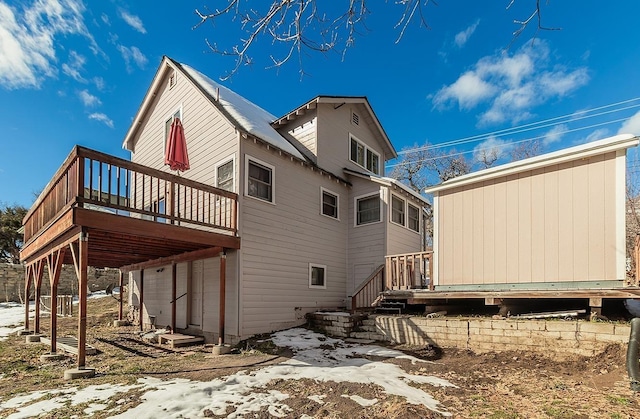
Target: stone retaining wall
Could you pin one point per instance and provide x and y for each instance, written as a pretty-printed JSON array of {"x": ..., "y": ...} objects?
[
  {"x": 558, "y": 337},
  {"x": 12, "y": 281}
]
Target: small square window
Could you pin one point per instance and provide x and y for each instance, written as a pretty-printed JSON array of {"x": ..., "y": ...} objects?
[
  {"x": 397, "y": 210},
  {"x": 259, "y": 180},
  {"x": 329, "y": 204},
  {"x": 368, "y": 210},
  {"x": 317, "y": 276},
  {"x": 413, "y": 218}
]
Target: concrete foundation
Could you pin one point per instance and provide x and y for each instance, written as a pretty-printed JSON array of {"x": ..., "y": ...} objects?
[
  {"x": 52, "y": 357},
  {"x": 221, "y": 349},
  {"x": 33, "y": 338},
  {"x": 76, "y": 373},
  {"x": 120, "y": 323}
]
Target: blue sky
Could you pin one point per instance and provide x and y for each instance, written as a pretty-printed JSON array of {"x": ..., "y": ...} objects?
[{"x": 74, "y": 72}]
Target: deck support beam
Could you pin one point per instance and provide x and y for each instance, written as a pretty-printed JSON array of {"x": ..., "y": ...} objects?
[
  {"x": 121, "y": 285},
  {"x": 140, "y": 311},
  {"x": 27, "y": 287},
  {"x": 174, "y": 274},
  {"x": 54, "y": 266},
  {"x": 83, "y": 247},
  {"x": 39, "y": 273},
  {"x": 223, "y": 280}
]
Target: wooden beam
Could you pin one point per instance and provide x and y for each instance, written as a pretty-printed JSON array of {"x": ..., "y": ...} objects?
[
  {"x": 164, "y": 261},
  {"x": 121, "y": 285},
  {"x": 174, "y": 274},
  {"x": 39, "y": 273},
  {"x": 49, "y": 239},
  {"x": 223, "y": 280},
  {"x": 54, "y": 265},
  {"x": 29, "y": 272},
  {"x": 83, "y": 258},
  {"x": 141, "y": 297}
]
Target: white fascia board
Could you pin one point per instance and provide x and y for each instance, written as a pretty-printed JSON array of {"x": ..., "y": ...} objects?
[{"x": 617, "y": 142}]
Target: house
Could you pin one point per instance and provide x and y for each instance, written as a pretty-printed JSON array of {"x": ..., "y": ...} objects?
[{"x": 551, "y": 226}]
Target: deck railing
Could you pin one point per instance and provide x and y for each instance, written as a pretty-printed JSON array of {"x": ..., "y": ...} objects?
[
  {"x": 101, "y": 182},
  {"x": 409, "y": 271}
]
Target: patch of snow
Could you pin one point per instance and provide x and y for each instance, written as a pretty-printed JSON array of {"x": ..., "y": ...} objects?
[
  {"x": 12, "y": 318},
  {"x": 361, "y": 400},
  {"x": 317, "y": 357},
  {"x": 317, "y": 398},
  {"x": 255, "y": 120}
]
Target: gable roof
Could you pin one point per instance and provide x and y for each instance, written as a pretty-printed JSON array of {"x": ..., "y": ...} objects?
[
  {"x": 388, "y": 181},
  {"x": 241, "y": 113},
  {"x": 390, "y": 151},
  {"x": 617, "y": 142}
]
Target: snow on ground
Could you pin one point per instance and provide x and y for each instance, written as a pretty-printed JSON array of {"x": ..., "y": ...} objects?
[{"x": 317, "y": 357}]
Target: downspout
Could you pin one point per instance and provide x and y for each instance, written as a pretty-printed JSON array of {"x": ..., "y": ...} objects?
[{"x": 633, "y": 366}]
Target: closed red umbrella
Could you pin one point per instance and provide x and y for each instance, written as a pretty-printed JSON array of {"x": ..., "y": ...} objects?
[{"x": 176, "y": 153}]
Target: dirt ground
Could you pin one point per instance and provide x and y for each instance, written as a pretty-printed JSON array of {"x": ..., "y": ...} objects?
[{"x": 497, "y": 385}]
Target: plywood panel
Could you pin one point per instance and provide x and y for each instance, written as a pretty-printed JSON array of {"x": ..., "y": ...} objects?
[
  {"x": 445, "y": 231},
  {"x": 466, "y": 235},
  {"x": 500, "y": 231},
  {"x": 565, "y": 222},
  {"x": 512, "y": 225},
  {"x": 458, "y": 236},
  {"x": 538, "y": 227},
  {"x": 595, "y": 251},
  {"x": 580, "y": 221},
  {"x": 524, "y": 227},
  {"x": 478, "y": 241},
  {"x": 551, "y": 244},
  {"x": 489, "y": 232},
  {"x": 610, "y": 216}
]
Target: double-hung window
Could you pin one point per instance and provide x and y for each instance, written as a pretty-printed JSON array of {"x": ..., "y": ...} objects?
[
  {"x": 413, "y": 217},
  {"x": 329, "y": 203},
  {"x": 363, "y": 156},
  {"x": 397, "y": 210},
  {"x": 224, "y": 176},
  {"x": 259, "y": 180},
  {"x": 368, "y": 209}
]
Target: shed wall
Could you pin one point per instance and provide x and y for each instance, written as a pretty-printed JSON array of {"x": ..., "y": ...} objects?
[{"x": 552, "y": 224}]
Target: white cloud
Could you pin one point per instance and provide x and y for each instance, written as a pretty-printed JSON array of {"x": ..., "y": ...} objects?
[
  {"x": 554, "y": 134},
  {"x": 134, "y": 55},
  {"x": 88, "y": 99},
  {"x": 105, "y": 19},
  {"x": 132, "y": 20},
  {"x": 102, "y": 118},
  {"x": 28, "y": 39},
  {"x": 511, "y": 85},
  {"x": 631, "y": 125},
  {"x": 74, "y": 66},
  {"x": 461, "y": 38},
  {"x": 598, "y": 134},
  {"x": 99, "y": 82}
]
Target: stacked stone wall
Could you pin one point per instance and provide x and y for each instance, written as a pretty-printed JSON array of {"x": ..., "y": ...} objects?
[{"x": 12, "y": 278}]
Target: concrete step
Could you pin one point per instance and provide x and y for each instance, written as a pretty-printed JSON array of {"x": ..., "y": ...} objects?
[{"x": 176, "y": 340}]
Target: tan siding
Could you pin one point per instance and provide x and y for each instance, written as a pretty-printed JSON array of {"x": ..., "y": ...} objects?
[
  {"x": 302, "y": 132},
  {"x": 547, "y": 225},
  {"x": 400, "y": 239},
  {"x": 279, "y": 241},
  {"x": 334, "y": 126}
]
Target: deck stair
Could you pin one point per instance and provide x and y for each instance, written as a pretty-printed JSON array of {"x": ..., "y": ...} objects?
[
  {"x": 390, "y": 307},
  {"x": 68, "y": 344},
  {"x": 177, "y": 339}
]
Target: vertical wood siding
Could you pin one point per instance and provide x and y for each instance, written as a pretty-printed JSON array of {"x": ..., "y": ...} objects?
[{"x": 551, "y": 224}]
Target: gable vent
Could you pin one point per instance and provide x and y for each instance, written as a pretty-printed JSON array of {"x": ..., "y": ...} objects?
[
  {"x": 355, "y": 118},
  {"x": 172, "y": 80}
]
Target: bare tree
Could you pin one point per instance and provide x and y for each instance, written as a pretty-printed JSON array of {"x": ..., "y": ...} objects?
[
  {"x": 309, "y": 26},
  {"x": 525, "y": 149},
  {"x": 487, "y": 157}
]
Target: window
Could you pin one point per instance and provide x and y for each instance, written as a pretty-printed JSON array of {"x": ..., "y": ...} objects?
[
  {"x": 413, "y": 217},
  {"x": 368, "y": 210},
  {"x": 259, "y": 180},
  {"x": 167, "y": 126},
  {"x": 364, "y": 156},
  {"x": 224, "y": 176},
  {"x": 397, "y": 210},
  {"x": 317, "y": 276},
  {"x": 329, "y": 203}
]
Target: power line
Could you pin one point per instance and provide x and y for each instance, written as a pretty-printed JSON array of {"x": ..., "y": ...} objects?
[{"x": 533, "y": 125}]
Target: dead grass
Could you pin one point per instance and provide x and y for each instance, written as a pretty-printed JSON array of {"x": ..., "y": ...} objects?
[{"x": 504, "y": 385}]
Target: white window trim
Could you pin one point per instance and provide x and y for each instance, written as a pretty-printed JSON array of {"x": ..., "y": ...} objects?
[
  {"x": 419, "y": 208},
  {"x": 404, "y": 206},
  {"x": 355, "y": 209},
  {"x": 366, "y": 149},
  {"x": 317, "y": 265},
  {"x": 329, "y": 191},
  {"x": 223, "y": 162},
  {"x": 247, "y": 159},
  {"x": 164, "y": 124}
]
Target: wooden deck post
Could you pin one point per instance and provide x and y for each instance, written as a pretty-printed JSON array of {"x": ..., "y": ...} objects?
[
  {"x": 54, "y": 265},
  {"x": 174, "y": 274},
  {"x": 82, "y": 297},
  {"x": 120, "y": 284},
  {"x": 223, "y": 280},
  {"x": 141, "y": 298},
  {"x": 39, "y": 272},
  {"x": 27, "y": 287}
]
